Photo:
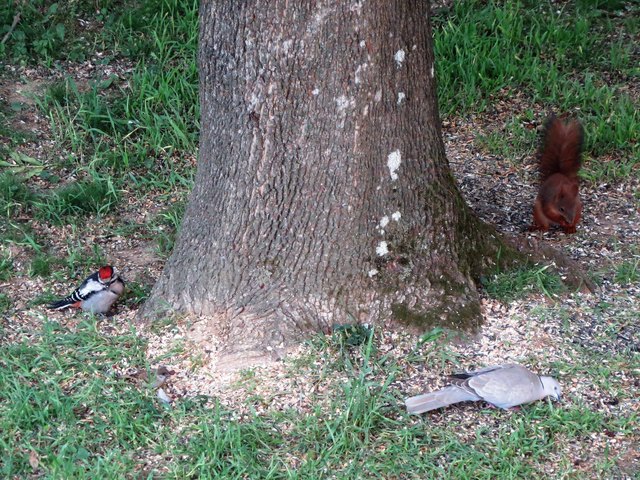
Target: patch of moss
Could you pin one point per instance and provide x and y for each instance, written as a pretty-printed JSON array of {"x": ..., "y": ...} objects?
[
  {"x": 407, "y": 316},
  {"x": 449, "y": 315}
]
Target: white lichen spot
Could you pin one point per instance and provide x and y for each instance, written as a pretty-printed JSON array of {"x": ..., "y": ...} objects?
[
  {"x": 286, "y": 45},
  {"x": 393, "y": 162},
  {"x": 399, "y": 57},
  {"x": 432, "y": 71},
  {"x": 363, "y": 44},
  {"x": 378, "y": 188},
  {"x": 253, "y": 102},
  {"x": 319, "y": 19},
  {"x": 343, "y": 103},
  {"x": 396, "y": 216},
  {"x": 384, "y": 221},
  {"x": 359, "y": 70},
  {"x": 378, "y": 95},
  {"x": 414, "y": 46},
  {"x": 372, "y": 272},
  {"x": 316, "y": 91},
  {"x": 365, "y": 111},
  {"x": 401, "y": 97},
  {"x": 382, "y": 249},
  {"x": 357, "y": 7}
]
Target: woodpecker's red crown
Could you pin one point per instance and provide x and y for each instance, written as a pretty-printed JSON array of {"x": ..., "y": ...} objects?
[{"x": 106, "y": 272}]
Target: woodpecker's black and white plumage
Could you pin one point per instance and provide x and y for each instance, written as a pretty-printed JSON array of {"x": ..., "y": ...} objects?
[{"x": 96, "y": 294}]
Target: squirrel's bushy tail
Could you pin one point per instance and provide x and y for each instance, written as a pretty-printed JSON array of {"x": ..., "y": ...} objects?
[{"x": 561, "y": 148}]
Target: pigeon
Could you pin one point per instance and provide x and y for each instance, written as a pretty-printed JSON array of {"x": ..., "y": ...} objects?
[{"x": 504, "y": 386}]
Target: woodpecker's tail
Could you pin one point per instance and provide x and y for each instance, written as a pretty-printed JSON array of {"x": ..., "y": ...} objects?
[{"x": 70, "y": 301}]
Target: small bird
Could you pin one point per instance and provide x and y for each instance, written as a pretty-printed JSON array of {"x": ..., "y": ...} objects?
[
  {"x": 96, "y": 294},
  {"x": 504, "y": 386}
]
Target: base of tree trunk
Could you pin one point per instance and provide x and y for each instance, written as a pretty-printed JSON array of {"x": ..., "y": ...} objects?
[
  {"x": 266, "y": 331},
  {"x": 406, "y": 293}
]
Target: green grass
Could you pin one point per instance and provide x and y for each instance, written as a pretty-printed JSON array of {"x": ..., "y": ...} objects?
[
  {"x": 135, "y": 130},
  {"x": 520, "y": 282},
  {"x": 514, "y": 136},
  {"x": 94, "y": 196},
  {"x": 167, "y": 225},
  {"x": 19, "y": 233},
  {"x": 572, "y": 57},
  {"x": 42, "y": 265},
  {"x": 136, "y": 293},
  {"x": 6, "y": 265},
  {"x": 50, "y": 31},
  {"x": 44, "y": 298},
  {"x": 604, "y": 335},
  {"x": 61, "y": 399},
  {"x": 15, "y": 196},
  {"x": 5, "y": 305},
  {"x": 80, "y": 255},
  {"x": 129, "y": 141},
  {"x": 628, "y": 272}
]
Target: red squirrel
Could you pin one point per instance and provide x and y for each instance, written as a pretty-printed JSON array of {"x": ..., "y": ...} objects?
[{"x": 558, "y": 200}]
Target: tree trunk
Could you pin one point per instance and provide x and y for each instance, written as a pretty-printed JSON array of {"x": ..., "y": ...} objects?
[{"x": 323, "y": 194}]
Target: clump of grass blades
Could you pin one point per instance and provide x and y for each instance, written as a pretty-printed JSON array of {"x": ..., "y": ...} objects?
[
  {"x": 5, "y": 303},
  {"x": 108, "y": 425},
  {"x": 167, "y": 227},
  {"x": 96, "y": 196},
  {"x": 523, "y": 281},
  {"x": 42, "y": 265},
  {"x": 15, "y": 196},
  {"x": 130, "y": 129},
  {"x": 121, "y": 416},
  {"x": 6, "y": 265},
  {"x": 628, "y": 272}
]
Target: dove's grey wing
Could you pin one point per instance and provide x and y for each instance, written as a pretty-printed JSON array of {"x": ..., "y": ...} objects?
[
  {"x": 507, "y": 387},
  {"x": 480, "y": 371},
  {"x": 440, "y": 398}
]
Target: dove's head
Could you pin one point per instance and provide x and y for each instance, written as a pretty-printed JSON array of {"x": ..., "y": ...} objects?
[{"x": 551, "y": 388}]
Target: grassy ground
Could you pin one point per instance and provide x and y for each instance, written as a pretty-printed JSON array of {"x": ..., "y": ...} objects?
[{"x": 97, "y": 156}]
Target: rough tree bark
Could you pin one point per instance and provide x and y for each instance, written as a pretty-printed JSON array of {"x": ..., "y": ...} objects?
[{"x": 323, "y": 193}]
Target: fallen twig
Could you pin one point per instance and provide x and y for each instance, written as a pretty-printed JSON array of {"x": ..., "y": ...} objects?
[{"x": 16, "y": 19}]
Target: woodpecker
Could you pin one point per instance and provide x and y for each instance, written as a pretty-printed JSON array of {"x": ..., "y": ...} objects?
[{"x": 96, "y": 294}]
